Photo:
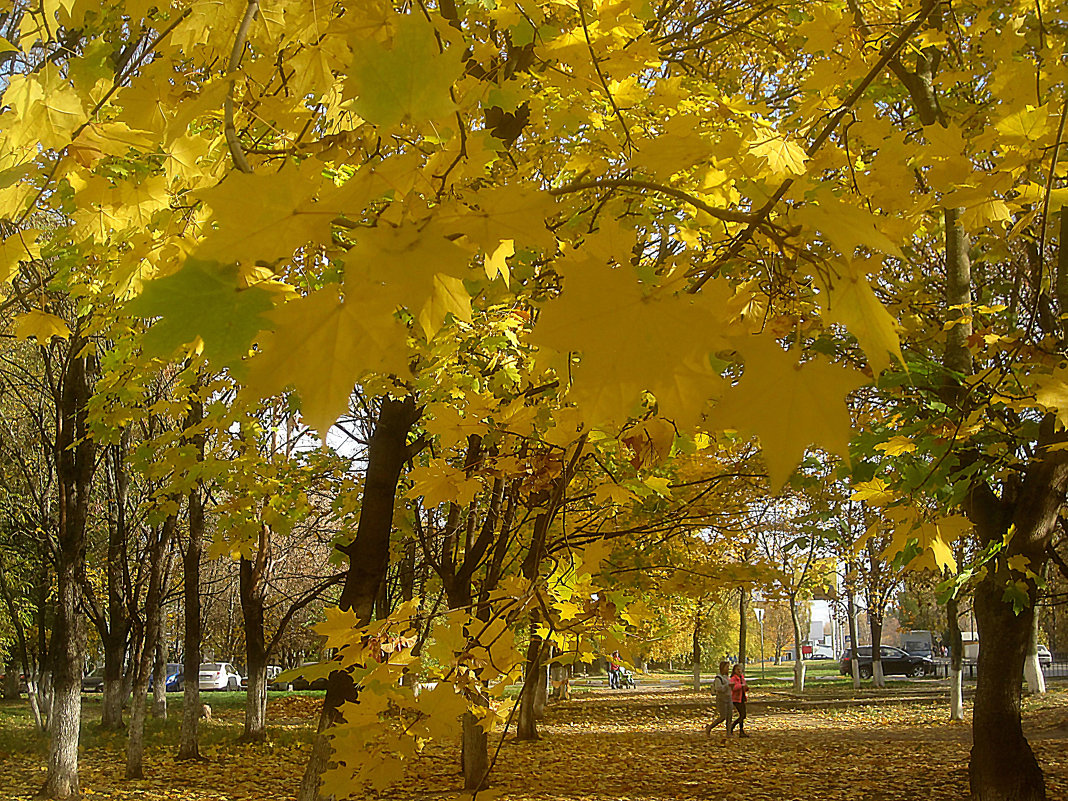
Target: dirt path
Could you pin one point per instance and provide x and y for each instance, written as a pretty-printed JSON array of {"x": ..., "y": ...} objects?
[
  {"x": 649, "y": 745},
  {"x": 646, "y": 745}
]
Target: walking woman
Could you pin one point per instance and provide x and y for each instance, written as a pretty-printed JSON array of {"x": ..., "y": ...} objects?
[
  {"x": 739, "y": 694},
  {"x": 721, "y": 686}
]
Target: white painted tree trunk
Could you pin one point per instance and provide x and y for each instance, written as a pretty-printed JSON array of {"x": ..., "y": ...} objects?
[
  {"x": 1036, "y": 682},
  {"x": 956, "y": 694},
  {"x": 879, "y": 679},
  {"x": 799, "y": 674}
]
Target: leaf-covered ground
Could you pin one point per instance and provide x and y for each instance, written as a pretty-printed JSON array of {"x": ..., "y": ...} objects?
[{"x": 602, "y": 746}]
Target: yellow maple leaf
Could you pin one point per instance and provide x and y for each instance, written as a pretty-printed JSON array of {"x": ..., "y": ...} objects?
[
  {"x": 19, "y": 246},
  {"x": 1051, "y": 392},
  {"x": 849, "y": 300},
  {"x": 782, "y": 156},
  {"x": 874, "y": 492},
  {"x": 1028, "y": 124},
  {"x": 789, "y": 406},
  {"x": 322, "y": 344},
  {"x": 896, "y": 445},
  {"x": 340, "y": 626},
  {"x": 417, "y": 267},
  {"x": 847, "y": 226},
  {"x": 612, "y": 493},
  {"x": 46, "y": 109},
  {"x": 630, "y": 341},
  {"x": 441, "y": 705},
  {"x": 39, "y": 325},
  {"x": 497, "y": 262},
  {"x": 438, "y": 483},
  {"x": 266, "y": 216}
]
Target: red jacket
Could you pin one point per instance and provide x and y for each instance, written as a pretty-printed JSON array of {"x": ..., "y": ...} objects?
[{"x": 739, "y": 688}]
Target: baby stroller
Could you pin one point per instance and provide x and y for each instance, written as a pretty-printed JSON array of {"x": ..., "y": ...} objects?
[{"x": 626, "y": 680}]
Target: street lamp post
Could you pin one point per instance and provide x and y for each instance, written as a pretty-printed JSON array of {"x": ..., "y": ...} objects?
[{"x": 760, "y": 619}]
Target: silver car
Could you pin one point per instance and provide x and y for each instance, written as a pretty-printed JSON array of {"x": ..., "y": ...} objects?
[{"x": 219, "y": 676}]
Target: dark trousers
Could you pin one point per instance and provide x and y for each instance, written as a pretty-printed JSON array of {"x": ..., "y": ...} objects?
[{"x": 739, "y": 707}]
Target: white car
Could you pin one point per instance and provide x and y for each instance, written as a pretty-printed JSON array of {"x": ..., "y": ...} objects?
[
  {"x": 1045, "y": 658},
  {"x": 219, "y": 676}
]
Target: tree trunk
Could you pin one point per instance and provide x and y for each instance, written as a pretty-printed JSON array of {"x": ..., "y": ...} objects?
[
  {"x": 561, "y": 680},
  {"x": 997, "y": 733},
  {"x": 11, "y": 681},
  {"x": 956, "y": 661},
  {"x": 75, "y": 457},
  {"x": 876, "y": 655},
  {"x": 115, "y": 633},
  {"x": 253, "y": 585},
  {"x": 114, "y": 691},
  {"x": 1036, "y": 682},
  {"x": 697, "y": 653},
  {"x": 743, "y": 618},
  {"x": 159, "y": 678},
  {"x": 854, "y": 666},
  {"x": 188, "y": 745},
  {"x": 541, "y": 691},
  {"x": 135, "y": 744},
  {"x": 799, "y": 657},
  {"x": 368, "y": 560},
  {"x": 527, "y": 721},
  {"x": 474, "y": 753}
]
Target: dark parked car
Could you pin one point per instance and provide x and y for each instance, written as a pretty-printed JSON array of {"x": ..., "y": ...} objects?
[
  {"x": 895, "y": 662},
  {"x": 94, "y": 682},
  {"x": 172, "y": 672}
]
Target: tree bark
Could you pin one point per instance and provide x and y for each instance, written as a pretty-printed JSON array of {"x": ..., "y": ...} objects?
[
  {"x": 115, "y": 633},
  {"x": 188, "y": 744},
  {"x": 75, "y": 458},
  {"x": 135, "y": 744},
  {"x": 368, "y": 560},
  {"x": 159, "y": 678},
  {"x": 1036, "y": 682},
  {"x": 561, "y": 679},
  {"x": 527, "y": 720},
  {"x": 253, "y": 587},
  {"x": 114, "y": 691},
  {"x": 854, "y": 666},
  {"x": 743, "y": 622},
  {"x": 876, "y": 622},
  {"x": 956, "y": 661},
  {"x": 697, "y": 652},
  {"x": 799, "y": 657},
  {"x": 1004, "y": 634}
]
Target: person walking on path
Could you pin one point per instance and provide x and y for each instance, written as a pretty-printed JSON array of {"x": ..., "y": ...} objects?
[
  {"x": 721, "y": 686},
  {"x": 739, "y": 695},
  {"x": 613, "y": 671}
]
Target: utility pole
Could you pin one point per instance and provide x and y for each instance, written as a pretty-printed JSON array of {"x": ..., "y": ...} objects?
[{"x": 759, "y": 611}]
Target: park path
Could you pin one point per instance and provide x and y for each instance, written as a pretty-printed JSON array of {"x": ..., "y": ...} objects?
[{"x": 648, "y": 745}]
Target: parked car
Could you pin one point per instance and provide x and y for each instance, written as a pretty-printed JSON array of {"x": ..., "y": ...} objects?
[
  {"x": 1045, "y": 658},
  {"x": 219, "y": 676},
  {"x": 895, "y": 662},
  {"x": 272, "y": 673},
  {"x": 173, "y": 682},
  {"x": 94, "y": 682}
]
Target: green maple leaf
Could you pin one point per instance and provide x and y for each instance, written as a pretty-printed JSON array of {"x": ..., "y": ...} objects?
[
  {"x": 202, "y": 300},
  {"x": 407, "y": 82}
]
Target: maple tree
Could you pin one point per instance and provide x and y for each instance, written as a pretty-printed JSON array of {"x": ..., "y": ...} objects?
[{"x": 606, "y": 232}]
